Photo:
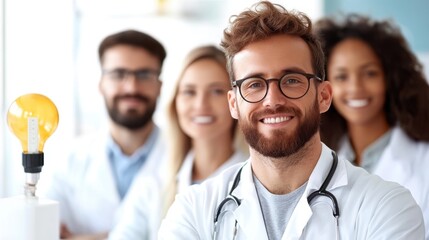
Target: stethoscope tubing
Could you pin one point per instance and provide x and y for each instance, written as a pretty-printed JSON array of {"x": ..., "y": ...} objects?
[{"x": 322, "y": 190}]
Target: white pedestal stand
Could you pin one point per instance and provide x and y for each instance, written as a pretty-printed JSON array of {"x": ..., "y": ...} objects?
[{"x": 29, "y": 218}]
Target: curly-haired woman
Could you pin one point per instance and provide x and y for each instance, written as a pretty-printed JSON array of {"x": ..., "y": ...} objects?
[{"x": 380, "y": 113}]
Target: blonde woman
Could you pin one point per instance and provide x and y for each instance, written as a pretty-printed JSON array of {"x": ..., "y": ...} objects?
[
  {"x": 201, "y": 129},
  {"x": 204, "y": 140}
]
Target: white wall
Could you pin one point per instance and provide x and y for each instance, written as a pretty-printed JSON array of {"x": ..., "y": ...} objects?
[
  {"x": 38, "y": 58},
  {"x": 2, "y": 119}
]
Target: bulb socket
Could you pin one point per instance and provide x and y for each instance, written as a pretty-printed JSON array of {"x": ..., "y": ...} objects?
[{"x": 32, "y": 162}]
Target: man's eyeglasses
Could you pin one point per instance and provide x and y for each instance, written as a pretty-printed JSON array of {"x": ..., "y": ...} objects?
[
  {"x": 142, "y": 75},
  {"x": 292, "y": 85}
]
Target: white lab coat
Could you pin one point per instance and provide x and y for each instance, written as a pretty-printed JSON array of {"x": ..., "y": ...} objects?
[
  {"x": 370, "y": 208},
  {"x": 85, "y": 186},
  {"x": 406, "y": 162},
  {"x": 143, "y": 207}
]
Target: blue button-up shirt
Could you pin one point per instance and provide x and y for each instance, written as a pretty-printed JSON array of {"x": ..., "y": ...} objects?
[{"x": 124, "y": 167}]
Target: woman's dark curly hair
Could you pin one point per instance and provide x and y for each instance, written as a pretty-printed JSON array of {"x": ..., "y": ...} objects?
[{"x": 407, "y": 91}]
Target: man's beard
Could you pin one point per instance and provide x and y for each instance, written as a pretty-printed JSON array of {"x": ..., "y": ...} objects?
[
  {"x": 131, "y": 120},
  {"x": 279, "y": 147}
]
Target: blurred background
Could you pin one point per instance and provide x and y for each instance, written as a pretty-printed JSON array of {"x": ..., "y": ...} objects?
[{"x": 50, "y": 47}]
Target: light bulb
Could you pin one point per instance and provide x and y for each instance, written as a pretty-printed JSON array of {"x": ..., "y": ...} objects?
[{"x": 33, "y": 118}]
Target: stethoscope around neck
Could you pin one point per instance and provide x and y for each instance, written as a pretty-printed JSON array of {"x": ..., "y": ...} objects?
[{"x": 237, "y": 202}]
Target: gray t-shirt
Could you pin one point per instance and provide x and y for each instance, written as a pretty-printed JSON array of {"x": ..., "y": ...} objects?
[{"x": 277, "y": 209}]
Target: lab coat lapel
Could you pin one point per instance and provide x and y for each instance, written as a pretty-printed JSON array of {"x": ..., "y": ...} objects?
[
  {"x": 298, "y": 220},
  {"x": 185, "y": 173},
  {"x": 100, "y": 178},
  {"x": 248, "y": 214}
]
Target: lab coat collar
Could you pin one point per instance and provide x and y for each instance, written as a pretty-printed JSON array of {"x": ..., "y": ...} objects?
[
  {"x": 321, "y": 170},
  {"x": 400, "y": 141},
  {"x": 184, "y": 176},
  {"x": 249, "y": 213},
  {"x": 400, "y": 148}
]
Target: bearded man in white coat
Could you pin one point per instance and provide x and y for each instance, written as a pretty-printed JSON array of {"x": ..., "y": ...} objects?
[
  {"x": 292, "y": 186},
  {"x": 100, "y": 169}
]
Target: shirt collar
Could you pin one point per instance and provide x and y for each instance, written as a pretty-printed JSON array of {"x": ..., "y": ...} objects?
[{"x": 115, "y": 152}]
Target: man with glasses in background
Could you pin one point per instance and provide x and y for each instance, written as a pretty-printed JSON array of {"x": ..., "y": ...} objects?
[
  {"x": 293, "y": 186},
  {"x": 101, "y": 169}
]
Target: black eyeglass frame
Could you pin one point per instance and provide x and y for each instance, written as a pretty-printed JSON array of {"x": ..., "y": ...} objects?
[
  {"x": 237, "y": 83},
  {"x": 135, "y": 73}
]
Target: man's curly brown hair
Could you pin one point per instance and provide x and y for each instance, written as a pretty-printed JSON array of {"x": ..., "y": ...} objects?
[{"x": 267, "y": 20}]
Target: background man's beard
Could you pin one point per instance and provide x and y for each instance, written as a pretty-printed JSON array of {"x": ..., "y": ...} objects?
[
  {"x": 290, "y": 144},
  {"x": 132, "y": 120}
]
